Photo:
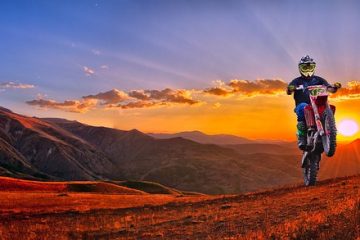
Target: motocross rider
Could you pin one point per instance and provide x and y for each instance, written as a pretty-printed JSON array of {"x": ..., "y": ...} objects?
[{"x": 302, "y": 99}]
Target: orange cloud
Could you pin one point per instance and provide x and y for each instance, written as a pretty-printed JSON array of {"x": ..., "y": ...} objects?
[
  {"x": 352, "y": 91},
  {"x": 151, "y": 98},
  {"x": 113, "y": 96},
  {"x": 249, "y": 88},
  {"x": 264, "y": 86},
  {"x": 139, "y": 94},
  {"x": 140, "y": 104},
  {"x": 117, "y": 98},
  {"x": 68, "y": 105},
  {"x": 172, "y": 96},
  {"x": 218, "y": 91}
]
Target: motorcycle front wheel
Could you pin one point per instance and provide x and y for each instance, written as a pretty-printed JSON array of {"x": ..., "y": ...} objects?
[{"x": 329, "y": 138}]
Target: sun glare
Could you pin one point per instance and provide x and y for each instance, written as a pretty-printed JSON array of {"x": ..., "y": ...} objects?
[{"x": 348, "y": 127}]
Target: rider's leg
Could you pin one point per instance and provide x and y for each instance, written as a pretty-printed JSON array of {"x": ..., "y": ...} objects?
[{"x": 301, "y": 125}]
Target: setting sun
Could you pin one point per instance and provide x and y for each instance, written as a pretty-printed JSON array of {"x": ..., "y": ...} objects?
[{"x": 348, "y": 127}]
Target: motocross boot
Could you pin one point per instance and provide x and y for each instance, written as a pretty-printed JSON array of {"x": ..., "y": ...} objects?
[{"x": 301, "y": 135}]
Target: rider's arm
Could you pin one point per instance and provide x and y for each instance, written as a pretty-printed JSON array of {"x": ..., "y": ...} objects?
[
  {"x": 291, "y": 87},
  {"x": 334, "y": 88},
  {"x": 330, "y": 88}
]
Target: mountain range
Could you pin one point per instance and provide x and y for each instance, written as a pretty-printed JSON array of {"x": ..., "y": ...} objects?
[
  {"x": 59, "y": 149},
  {"x": 219, "y": 139},
  {"x": 346, "y": 161},
  {"x": 200, "y": 137}
]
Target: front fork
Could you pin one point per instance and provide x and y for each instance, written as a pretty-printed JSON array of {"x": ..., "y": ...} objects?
[
  {"x": 308, "y": 157},
  {"x": 319, "y": 126},
  {"x": 310, "y": 153},
  {"x": 312, "y": 138}
]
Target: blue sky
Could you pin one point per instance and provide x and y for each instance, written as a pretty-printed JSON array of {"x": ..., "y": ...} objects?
[
  {"x": 177, "y": 44},
  {"x": 187, "y": 42}
]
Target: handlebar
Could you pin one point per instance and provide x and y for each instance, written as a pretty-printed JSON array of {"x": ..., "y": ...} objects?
[{"x": 301, "y": 87}]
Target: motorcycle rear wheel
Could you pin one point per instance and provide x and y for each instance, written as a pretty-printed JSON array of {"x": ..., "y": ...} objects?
[{"x": 329, "y": 139}]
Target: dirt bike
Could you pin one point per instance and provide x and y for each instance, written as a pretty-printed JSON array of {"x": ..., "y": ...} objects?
[{"x": 321, "y": 131}]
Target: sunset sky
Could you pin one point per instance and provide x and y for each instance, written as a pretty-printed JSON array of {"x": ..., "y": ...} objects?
[{"x": 170, "y": 66}]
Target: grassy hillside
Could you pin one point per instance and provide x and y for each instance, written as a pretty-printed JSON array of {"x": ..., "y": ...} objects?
[
  {"x": 19, "y": 185},
  {"x": 330, "y": 210}
]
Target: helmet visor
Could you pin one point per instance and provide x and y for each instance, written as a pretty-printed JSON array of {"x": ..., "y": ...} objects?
[{"x": 307, "y": 69}]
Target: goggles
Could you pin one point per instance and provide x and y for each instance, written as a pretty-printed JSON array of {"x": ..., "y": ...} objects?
[{"x": 307, "y": 67}]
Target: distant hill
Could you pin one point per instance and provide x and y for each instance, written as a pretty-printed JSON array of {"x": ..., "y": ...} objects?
[
  {"x": 36, "y": 148},
  {"x": 200, "y": 137},
  {"x": 346, "y": 161},
  {"x": 153, "y": 188},
  {"x": 19, "y": 185},
  {"x": 187, "y": 165},
  {"x": 269, "y": 148},
  {"x": 59, "y": 149}
]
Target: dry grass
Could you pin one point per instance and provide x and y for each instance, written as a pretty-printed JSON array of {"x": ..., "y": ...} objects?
[
  {"x": 13, "y": 184},
  {"x": 328, "y": 211},
  {"x": 20, "y": 185}
]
